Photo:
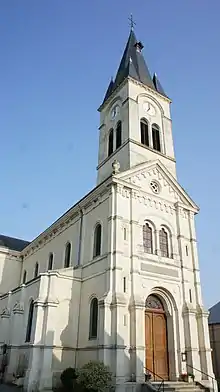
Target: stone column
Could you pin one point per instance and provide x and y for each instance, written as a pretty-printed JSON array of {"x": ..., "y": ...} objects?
[{"x": 137, "y": 335}]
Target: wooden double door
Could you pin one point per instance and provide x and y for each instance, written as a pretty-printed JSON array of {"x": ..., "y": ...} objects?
[{"x": 156, "y": 339}]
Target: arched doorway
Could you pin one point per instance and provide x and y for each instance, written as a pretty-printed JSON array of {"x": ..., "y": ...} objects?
[{"x": 156, "y": 338}]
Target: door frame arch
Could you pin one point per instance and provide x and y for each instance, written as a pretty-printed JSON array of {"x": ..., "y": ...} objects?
[
  {"x": 153, "y": 312},
  {"x": 172, "y": 326}
]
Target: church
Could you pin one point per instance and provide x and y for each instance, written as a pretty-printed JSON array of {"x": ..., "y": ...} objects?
[{"x": 116, "y": 278}]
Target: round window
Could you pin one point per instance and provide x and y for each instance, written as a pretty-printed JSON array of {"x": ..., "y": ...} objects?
[{"x": 155, "y": 186}]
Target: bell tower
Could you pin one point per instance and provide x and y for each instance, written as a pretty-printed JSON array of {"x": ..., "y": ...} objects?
[{"x": 135, "y": 120}]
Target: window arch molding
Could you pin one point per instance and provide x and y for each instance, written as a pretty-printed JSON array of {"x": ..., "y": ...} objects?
[
  {"x": 29, "y": 320},
  {"x": 167, "y": 230},
  {"x": 24, "y": 278},
  {"x": 118, "y": 131},
  {"x": 97, "y": 241},
  {"x": 156, "y": 137},
  {"x": 36, "y": 270},
  {"x": 152, "y": 226},
  {"x": 67, "y": 254},
  {"x": 50, "y": 261},
  {"x": 117, "y": 100},
  {"x": 145, "y": 132},
  {"x": 110, "y": 138},
  {"x": 93, "y": 317}
]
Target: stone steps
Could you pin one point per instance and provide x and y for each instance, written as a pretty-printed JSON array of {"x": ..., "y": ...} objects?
[{"x": 176, "y": 386}]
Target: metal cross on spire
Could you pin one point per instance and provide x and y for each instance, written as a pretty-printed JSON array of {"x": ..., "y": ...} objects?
[{"x": 132, "y": 22}]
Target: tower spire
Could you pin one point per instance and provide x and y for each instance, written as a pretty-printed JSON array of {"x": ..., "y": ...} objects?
[{"x": 133, "y": 65}]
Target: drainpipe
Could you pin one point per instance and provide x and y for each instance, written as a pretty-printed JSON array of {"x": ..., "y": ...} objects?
[{"x": 78, "y": 264}]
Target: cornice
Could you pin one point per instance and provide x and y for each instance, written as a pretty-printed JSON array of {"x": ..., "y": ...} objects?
[
  {"x": 112, "y": 96},
  {"x": 129, "y": 140},
  {"x": 68, "y": 218},
  {"x": 152, "y": 150},
  {"x": 147, "y": 88},
  {"x": 127, "y": 190},
  {"x": 12, "y": 253}
]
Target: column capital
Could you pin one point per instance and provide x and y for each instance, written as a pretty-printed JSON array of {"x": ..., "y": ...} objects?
[
  {"x": 118, "y": 299},
  {"x": 136, "y": 302}
]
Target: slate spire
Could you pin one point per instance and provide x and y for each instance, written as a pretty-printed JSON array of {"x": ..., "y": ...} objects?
[
  {"x": 133, "y": 64},
  {"x": 158, "y": 85}
]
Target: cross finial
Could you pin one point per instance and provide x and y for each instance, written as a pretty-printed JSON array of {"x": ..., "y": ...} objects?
[{"x": 132, "y": 22}]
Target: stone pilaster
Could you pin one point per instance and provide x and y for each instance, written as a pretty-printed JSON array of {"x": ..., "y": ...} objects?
[
  {"x": 120, "y": 357},
  {"x": 50, "y": 314},
  {"x": 192, "y": 339},
  {"x": 5, "y": 328},
  {"x": 195, "y": 259},
  {"x": 17, "y": 333},
  {"x": 204, "y": 342},
  {"x": 137, "y": 336},
  {"x": 32, "y": 379},
  {"x": 104, "y": 333}
]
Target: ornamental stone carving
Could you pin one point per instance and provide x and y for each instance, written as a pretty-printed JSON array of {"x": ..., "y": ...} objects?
[
  {"x": 115, "y": 167},
  {"x": 18, "y": 308},
  {"x": 5, "y": 312}
]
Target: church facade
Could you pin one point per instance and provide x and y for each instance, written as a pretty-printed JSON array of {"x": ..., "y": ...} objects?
[{"x": 116, "y": 278}]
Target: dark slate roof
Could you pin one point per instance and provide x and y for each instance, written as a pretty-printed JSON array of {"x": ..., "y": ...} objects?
[
  {"x": 133, "y": 64},
  {"x": 13, "y": 243},
  {"x": 214, "y": 315},
  {"x": 109, "y": 90},
  {"x": 158, "y": 85}
]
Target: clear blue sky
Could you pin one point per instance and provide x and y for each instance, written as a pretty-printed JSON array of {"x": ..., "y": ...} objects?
[{"x": 57, "y": 57}]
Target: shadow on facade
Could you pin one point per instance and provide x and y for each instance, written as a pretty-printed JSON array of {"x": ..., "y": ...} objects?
[{"x": 46, "y": 358}]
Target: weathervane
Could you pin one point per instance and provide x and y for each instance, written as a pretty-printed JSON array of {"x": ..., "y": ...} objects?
[{"x": 132, "y": 22}]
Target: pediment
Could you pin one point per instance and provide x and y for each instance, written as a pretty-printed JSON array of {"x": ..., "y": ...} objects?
[{"x": 155, "y": 179}]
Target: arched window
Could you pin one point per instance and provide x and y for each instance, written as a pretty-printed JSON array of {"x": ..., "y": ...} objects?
[
  {"x": 93, "y": 326},
  {"x": 36, "y": 270},
  {"x": 118, "y": 135},
  {"x": 156, "y": 137},
  {"x": 164, "y": 246},
  {"x": 30, "y": 321},
  {"x": 147, "y": 238},
  {"x": 50, "y": 261},
  {"x": 24, "y": 277},
  {"x": 144, "y": 132},
  {"x": 97, "y": 240},
  {"x": 67, "y": 255},
  {"x": 110, "y": 142}
]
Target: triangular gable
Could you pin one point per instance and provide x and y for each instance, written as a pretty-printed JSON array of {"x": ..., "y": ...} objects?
[{"x": 142, "y": 175}]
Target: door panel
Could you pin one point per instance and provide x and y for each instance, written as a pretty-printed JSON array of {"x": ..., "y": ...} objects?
[
  {"x": 160, "y": 345},
  {"x": 149, "y": 340},
  {"x": 156, "y": 344}
]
